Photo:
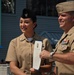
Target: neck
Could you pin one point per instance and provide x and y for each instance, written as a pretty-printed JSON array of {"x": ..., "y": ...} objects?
[
  {"x": 29, "y": 35},
  {"x": 66, "y": 30}
]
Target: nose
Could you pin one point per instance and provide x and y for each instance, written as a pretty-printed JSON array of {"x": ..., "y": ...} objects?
[{"x": 59, "y": 18}]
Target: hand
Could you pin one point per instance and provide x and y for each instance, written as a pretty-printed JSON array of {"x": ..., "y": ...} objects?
[
  {"x": 32, "y": 70},
  {"x": 45, "y": 54},
  {"x": 46, "y": 68}
]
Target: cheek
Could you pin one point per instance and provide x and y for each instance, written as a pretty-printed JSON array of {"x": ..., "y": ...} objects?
[
  {"x": 30, "y": 26},
  {"x": 69, "y": 20},
  {"x": 73, "y": 20},
  {"x": 19, "y": 25},
  {"x": 22, "y": 25}
]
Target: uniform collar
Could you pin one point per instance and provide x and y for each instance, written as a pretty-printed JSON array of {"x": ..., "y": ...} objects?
[
  {"x": 22, "y": 37},
  {"x": 71, "y": 31}
]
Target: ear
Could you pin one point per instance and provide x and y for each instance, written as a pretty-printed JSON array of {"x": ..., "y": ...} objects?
[
  {"x": 35, "y": 24},
  {"x": 73, "y": 18}
]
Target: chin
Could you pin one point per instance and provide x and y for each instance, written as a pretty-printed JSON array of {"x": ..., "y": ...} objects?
[
  {"x": 61, "y": 26},
  {"x": 23, "y": 31}
]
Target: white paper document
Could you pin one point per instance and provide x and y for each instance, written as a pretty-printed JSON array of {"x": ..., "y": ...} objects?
[{"x": 36, "y": 54}]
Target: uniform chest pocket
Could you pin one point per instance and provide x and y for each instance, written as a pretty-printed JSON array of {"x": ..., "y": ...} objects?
[{"x": 64, "y": 48}]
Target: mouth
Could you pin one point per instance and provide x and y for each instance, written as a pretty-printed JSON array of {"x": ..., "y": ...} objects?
[
  {"x": 23, "y": 29},
  {"x": 61, "y": 22}
]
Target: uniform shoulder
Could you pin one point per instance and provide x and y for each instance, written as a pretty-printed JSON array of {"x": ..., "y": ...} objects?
[
  {"x": 14, "y": 40},
  {"x": 42, "y": 37}
]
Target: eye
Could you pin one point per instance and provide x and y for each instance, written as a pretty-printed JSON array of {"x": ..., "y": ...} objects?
[
  {"x": 21, "y": 21},
  {"x": 27, "y": 22}
]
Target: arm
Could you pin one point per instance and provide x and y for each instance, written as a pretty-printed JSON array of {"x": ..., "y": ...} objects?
[
  {"x": 15, "y": 70},
  {"x": 54, "y": 72},
  {"x": 66, "y": 58},
  {"x": 12, "y": 58},
  {"x": 46, "y": 66},
  {"x": 43, "y": 68}
]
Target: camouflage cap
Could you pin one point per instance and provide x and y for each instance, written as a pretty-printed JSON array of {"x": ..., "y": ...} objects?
[
  {"x": 65, "y": 6},
  {"x": 27, "y": 13}
]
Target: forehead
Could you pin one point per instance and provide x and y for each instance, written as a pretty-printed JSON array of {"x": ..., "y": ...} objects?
[
  {"x": 28, "y": 19},
  {"x": 65, "y": 13}
]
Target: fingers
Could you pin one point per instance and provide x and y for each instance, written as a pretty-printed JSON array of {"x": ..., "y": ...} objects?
[
  {"x": 44, "y": 54},
  {"x": 32, "y": 70}
]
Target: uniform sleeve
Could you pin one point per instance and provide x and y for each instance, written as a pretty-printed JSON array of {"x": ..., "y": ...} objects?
[
  {"x": 47, "y": 45},
  {"x": 71, "y": 41},
  {"x": 11, "y": 53},
  {"x": 72, "y": 46}
]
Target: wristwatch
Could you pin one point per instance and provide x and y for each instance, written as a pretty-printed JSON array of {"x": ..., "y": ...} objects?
[{"x": 51, "y": 55}]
